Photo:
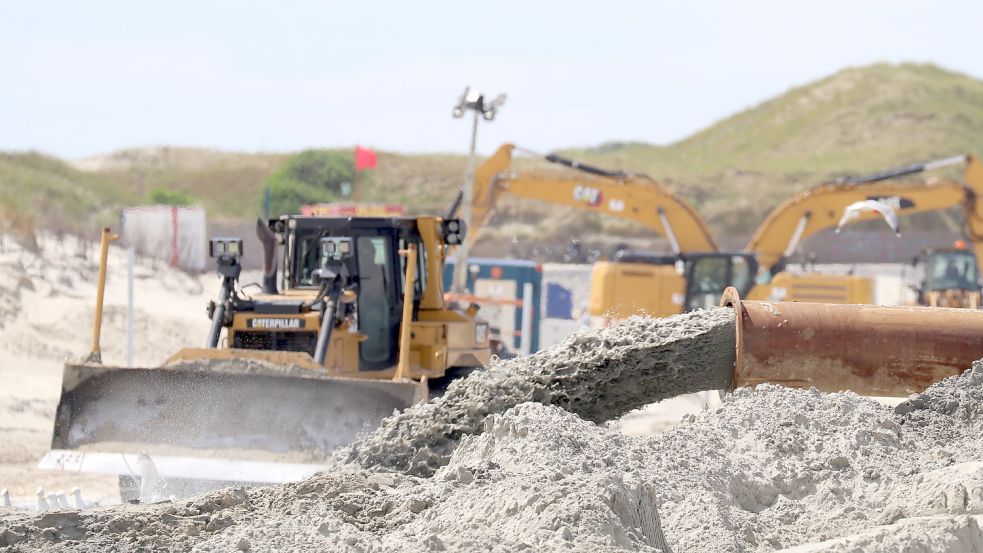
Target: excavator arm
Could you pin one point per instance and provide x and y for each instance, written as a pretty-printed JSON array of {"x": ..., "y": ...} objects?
[
  {"x": 626, "y": 196},
  {"x": 821, "y": 207}
]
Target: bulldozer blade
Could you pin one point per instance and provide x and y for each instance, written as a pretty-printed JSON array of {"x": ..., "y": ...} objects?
[{"x": 226, "y": 409}]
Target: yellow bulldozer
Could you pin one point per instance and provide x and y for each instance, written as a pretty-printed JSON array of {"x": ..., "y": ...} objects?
[{"x": 350, "y": 325}]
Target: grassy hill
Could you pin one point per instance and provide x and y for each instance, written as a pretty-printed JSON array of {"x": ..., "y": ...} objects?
[
  {"x": 38, "y": 190},
  {"x": 229, "y": 184},
  {"x": 855, "y": 121}
]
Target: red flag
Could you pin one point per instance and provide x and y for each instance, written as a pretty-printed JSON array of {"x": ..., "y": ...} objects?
[{"x": 364, "y": 158}]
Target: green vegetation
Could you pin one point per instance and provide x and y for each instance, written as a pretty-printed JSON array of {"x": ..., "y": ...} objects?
[
  {"x": 165, "y": 196},
  {"x": 312, "y": 176}
]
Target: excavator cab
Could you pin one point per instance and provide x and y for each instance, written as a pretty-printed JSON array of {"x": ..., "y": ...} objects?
[
  {"x": 952, "y": 278},
  {"x": 640, "y": 283},
  {"x": 709, "y": 274}
]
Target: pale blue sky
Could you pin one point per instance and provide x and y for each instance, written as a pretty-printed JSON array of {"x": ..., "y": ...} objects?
[{"x": 85, "y": 77}]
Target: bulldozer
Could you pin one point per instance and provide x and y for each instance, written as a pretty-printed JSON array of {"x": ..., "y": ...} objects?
[{"x": 349, "y": 326}]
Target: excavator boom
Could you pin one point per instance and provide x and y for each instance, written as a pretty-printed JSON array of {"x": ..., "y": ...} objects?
[
  {"x": 820, "y": 208},
  {"x": 627, "y": 196}
]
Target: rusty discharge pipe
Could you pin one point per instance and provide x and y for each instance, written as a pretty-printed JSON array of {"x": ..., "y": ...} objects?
[{"x": 868, "y": 349}]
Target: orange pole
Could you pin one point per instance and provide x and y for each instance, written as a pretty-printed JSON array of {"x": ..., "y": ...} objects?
[
  {"x": 403, "y": 368},
  {"x": 96, "y": 354}
]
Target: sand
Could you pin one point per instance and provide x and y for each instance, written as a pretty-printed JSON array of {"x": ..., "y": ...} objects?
[
  {"x": 46, "y": 304},
  {"x": 770, "y": 469},
  {"x": 599, "y": 375}
]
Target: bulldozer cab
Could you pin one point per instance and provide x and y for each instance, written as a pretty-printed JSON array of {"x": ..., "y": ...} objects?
[{"x": 377, "y": 278}]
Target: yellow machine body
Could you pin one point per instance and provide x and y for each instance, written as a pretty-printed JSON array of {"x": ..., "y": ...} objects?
[
  {"x": 620, "y": 290},
  {"x": 822, "y": 207},
  {"x": 440, "y": 337},
  {"x": 623, "y": 289},
  {"x": 258, "y": 407},
  {"x": 811, "y": 287}
]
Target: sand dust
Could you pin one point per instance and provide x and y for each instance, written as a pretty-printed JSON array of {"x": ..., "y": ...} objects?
[{"x": 46, "y": 315}]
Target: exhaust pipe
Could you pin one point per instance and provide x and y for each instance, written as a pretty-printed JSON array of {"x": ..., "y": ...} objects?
[
  {"x": 218, "y": 317},
  {"x": 327, "y": 325},
  {"x": 268, "y": 238},
  {"x": 868, "y": 349}
]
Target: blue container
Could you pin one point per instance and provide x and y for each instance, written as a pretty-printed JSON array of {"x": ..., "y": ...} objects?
[{"x": 521, "y": 272}]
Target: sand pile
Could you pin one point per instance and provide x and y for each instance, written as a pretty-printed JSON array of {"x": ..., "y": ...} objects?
[
  {"x": 490, "y": 466},
  {"x": 770, "y": 469}
]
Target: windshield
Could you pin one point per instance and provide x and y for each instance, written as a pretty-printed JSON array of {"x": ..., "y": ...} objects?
[
  {"x": 708, "y": 279},
  {"x": 954, "y": 270},
  {"x": 308, "y": 259}
]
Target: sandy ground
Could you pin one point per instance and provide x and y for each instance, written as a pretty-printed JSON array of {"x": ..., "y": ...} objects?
[
  {"x": 503, "y": 462},
  {"x": 46, "y": 312}
]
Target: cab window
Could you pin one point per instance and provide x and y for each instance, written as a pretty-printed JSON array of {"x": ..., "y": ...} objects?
[
  {"x": 707, "y": 280},
  {"x": 952, "y": 271},
  {"x": 374, "y": 299},
  {"x": 308, "y": 257},
  {"x": 741, "y": 277}
]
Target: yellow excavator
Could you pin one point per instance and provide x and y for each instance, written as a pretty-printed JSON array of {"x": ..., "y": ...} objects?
[
  {"x": 696, "y": 273},
  {"x": 351, "y": 326},
  {"x": 636, "y": 283},
  {"x": 821, "y": 207}
]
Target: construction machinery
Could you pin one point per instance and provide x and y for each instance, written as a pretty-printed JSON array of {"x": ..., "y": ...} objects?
[
  {"x": 822, "y": 207},
  {"x": 693, "y": 276},
  {"x": 349, "y": 328},
  {"x": 696, "y": 273},
  {"x": 951, "y": 277}
]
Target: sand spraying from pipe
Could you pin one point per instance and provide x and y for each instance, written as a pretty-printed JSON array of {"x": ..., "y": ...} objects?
[{"x": 599, "y": 375}]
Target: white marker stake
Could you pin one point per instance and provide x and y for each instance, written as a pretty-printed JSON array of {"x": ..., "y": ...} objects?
[
  {"x": 525, "y": 342},
  {"x": 130, "y": 261}
]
